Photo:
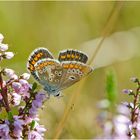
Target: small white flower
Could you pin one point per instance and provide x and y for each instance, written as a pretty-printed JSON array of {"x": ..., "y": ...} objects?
[
  {"x": 8, "y": 72},
  {"x": 3, "y": 47},
  {"x": 9, "y": 55},
  {"x": 1, "y": 37},
  {"x": 25, "y": 76}
]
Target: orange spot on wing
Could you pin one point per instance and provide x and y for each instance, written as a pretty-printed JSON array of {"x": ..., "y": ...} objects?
[
  {"x": 35, "y": 58},
  {"x": 41, "y": 54},
  {"x": 41, "y": 65},
  {"x": 76, "y": 66},
  {"x": 63, "y": 56},
  {"x": 68, "y": 55},
  {"x": 71, "y": 66},
  {"x": 31, "y": 67},
  {"x": 76, "y": 56},
  {"x": 49, "y": 62},
  {"x": 38, "y": 55},
  {"x": 46, "y": 63},
  {"x": 72, "y": 56},
  {"x": 33, "y": 62},
  {"x": 80, "y": 67},
  {"x": 65, "y": 66}
]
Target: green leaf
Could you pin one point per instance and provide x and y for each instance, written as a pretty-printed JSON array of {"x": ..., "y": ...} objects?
[
  {"x": 34, "y": 86},
  {"x": 111, "y": 87},
  {"x": 10, "y": 117},
  {"x": 33, "y": 123}
]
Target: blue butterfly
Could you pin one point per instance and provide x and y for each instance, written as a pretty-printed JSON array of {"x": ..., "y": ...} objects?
[{"x": 56, "y": 75}]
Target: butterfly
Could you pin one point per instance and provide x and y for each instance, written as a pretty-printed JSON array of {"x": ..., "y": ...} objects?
[{"x": 56, "y": 75}]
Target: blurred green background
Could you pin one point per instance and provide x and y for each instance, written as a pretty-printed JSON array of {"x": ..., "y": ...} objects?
[{"x": 62, "y": 25}]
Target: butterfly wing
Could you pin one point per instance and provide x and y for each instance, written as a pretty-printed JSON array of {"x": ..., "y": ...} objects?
[
  {"x": 35, "y": 56},
  {"x": 72, "y": 55},
  {"x": 73, "y": 72},
  {"x": 55, "y": 75},
  {"x": 49, "y": 72}
]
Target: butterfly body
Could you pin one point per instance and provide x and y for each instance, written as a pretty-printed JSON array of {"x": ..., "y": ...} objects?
[{"x": 56, "y": 75}]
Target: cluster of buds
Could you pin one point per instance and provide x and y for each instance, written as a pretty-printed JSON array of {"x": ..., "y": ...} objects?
[
  {"x": 3, "y": 48},
  {"x": 20, "y": 100}
]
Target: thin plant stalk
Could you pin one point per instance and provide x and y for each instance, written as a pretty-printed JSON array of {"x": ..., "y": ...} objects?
[{"x": 106, "y": 31}]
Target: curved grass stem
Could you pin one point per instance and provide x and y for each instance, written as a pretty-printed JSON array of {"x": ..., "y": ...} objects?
[{"x": 106, "y": 31}]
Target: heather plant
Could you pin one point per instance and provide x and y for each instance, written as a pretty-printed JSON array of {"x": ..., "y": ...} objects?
[
  {"x": 20, "y": 101},
  {"x": 120, "y": 121}
]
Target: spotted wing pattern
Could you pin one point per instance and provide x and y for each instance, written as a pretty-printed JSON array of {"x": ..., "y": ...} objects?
[
  {"x": 73, "y": 72},
  {"x": 56, "y": 75},
  {"x": 72, "y": 55},
  {"x": 36, "y": 56},
  {"x": 50, "y": 73}
]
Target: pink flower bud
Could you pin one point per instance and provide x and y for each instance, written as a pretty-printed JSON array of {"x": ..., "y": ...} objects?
[
  {"x": 14, "y": 76},
  {"x": 1, "y": 37},
  {"x": 16, "y": 86},
  {"x": 127, "y": 91},
  {"x": 8, "y": 72},
  {"x": 16, "y": 99},
  {"x": 8, "y": 55},
  {"x": 3, "y": 47},
  {"x": 25, "y": 76},
  {"x": 25, "y": 86}
]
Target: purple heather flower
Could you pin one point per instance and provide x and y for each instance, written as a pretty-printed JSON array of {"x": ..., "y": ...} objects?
[
  {"x": 127, "y": 91},
  {"x": 1, "y": 37},
  {"x": 40, "y": 96},
  {"x": 27, "y": 119},
  {"x": 37, "y": 103},
  {"x": 123, "y": 109},
  {"x": 3, "y": 47},
  {"x": 16, "y": 86},
  {"x": 21, "y": 87},
  {"x": 16, "y": 99},
  {"x": 121, "y": 124},
  {"x": 40, "y": 129},
  {"x": 34, "y": 135},
  {"x": 18, "y": 126},
  {"x": 33, "y": 111},
  {"x": 25, "y": 85},
  {"x": 122, "y": 119},
  {"x": 4, "y": 129},
  {"x": 8, "y": 55},
  {"x": 108, "y": 129}
]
